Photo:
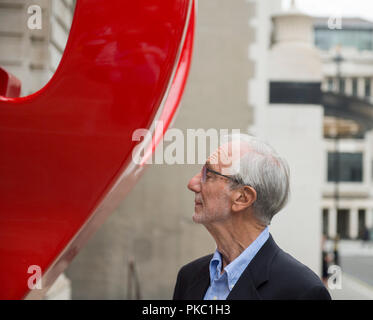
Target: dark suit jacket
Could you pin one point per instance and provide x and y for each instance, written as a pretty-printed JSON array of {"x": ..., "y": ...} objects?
[{"x": 272, "y": 275}]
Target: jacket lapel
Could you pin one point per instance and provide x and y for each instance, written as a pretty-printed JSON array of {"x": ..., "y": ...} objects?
[
  {"x": 244, "y": 289},
  {"x": 255, "y": 274},
  {"x": 200, "y": 283}
]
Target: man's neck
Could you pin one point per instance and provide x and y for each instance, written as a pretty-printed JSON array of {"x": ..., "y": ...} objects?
[{"x": 233, "y": 237}]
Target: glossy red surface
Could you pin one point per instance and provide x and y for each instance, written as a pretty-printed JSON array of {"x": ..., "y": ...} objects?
[
  {"x": 10, "y": 86},
  {"x": 66, "y": 150}
]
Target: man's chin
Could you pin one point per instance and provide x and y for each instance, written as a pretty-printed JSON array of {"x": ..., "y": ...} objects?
[
  {"x": 200, "y": 217},
  {"x": 197, "y": 217}
]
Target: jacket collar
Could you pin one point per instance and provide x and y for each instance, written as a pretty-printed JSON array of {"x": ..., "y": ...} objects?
[
  {"x": 201, "y": 281},
  {"x": 256, "y": 273}
]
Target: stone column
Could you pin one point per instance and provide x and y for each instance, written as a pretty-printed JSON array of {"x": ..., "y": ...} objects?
[
  {"x": 361, "y": 87},
  {"x": 354, "y": 223},
  {"x": 332, "y": 230},
  {"x": 348, "y": 86},
  {"x": 369, "y": 218}
]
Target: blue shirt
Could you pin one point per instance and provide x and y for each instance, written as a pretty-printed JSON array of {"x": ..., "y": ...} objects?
[{"x": 222, "y": 284}]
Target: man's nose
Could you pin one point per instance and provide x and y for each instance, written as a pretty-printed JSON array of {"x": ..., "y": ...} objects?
[{"x": 195, "y": 183}]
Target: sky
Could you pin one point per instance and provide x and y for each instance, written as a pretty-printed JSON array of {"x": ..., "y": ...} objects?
[{"x": 350, "y": 8}]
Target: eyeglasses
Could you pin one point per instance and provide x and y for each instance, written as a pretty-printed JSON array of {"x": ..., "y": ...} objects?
[{"x": 204, "y": 174}]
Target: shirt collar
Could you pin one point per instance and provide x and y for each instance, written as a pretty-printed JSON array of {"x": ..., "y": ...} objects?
[
  {"x": 238, "y": 265},
  {"x": 215, "y": 266}
]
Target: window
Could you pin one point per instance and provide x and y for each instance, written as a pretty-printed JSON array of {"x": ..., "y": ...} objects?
[
  {"x": 361, "y": 223},
  {"x": 330, "y": 84},
  {"x": 342, "y": 85},
  {"x": 345, "y": 167},
  {"x": 367, "y": 87},
  {"x": 325, "y": 221},
  {"x": 361, "y": 39},
  {"x": 343, "y": 223}
]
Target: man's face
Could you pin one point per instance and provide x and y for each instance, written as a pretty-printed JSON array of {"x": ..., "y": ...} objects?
[{"x": 213, "y": 196}]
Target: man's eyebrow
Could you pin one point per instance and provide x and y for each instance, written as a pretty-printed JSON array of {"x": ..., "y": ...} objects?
[{"x": 207, "y": 164}]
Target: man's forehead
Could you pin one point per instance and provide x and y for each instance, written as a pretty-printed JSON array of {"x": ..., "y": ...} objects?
[
  {"x": 218, "y": 154},
  {"x": 227, "y": 153}
]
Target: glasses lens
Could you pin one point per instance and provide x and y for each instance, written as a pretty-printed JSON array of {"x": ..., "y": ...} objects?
[{"x": 204, "y": 174}]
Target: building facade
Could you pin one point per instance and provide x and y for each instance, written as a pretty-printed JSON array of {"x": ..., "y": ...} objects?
[
  {"x": 288, "y": 68},
  {"x": 33, "y": 36},
  {"x": 347, "y": 208}
]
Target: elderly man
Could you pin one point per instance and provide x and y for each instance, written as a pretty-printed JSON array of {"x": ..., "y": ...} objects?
[{"x": 243, "y": 184}]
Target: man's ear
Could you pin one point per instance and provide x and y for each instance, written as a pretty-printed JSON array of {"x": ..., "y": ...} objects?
[{"x": 243, "y": 198}]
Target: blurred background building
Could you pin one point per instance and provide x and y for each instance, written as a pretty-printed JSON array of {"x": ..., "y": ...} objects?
[
  {"x": 298, "y": 81},
  {"x": 347, "y": 58}
]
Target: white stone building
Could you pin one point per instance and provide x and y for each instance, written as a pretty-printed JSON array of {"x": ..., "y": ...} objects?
[
  {"x": 33, "y": 55},
  {"x": 347, "y": 206},
  {"x": 288, "y": 69}
]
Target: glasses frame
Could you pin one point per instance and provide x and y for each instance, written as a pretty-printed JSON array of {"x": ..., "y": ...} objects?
[{"x": 205, "y": 169}]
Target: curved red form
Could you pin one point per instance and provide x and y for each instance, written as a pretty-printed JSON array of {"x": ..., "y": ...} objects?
[
  {"x": 66, "y": 151},
  {"x": 10, "y": 86}
]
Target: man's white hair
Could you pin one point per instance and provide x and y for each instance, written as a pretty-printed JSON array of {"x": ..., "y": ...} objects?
[{"x": 264, "y": 170}]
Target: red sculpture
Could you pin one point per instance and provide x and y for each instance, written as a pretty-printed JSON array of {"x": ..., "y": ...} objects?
[
  {"x": 10, "y": 86},
  {"x": 66, "y": 151}
]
